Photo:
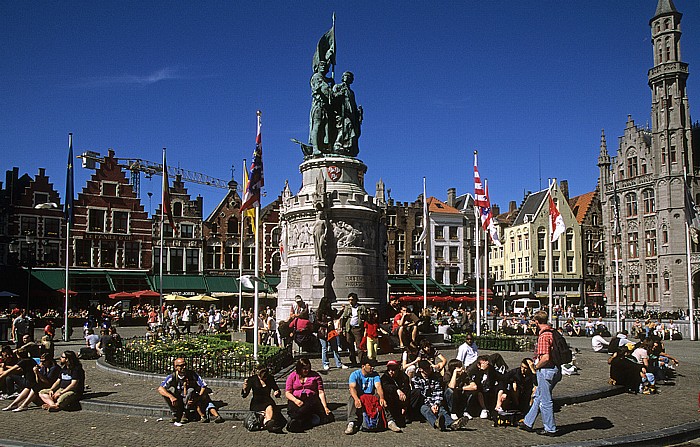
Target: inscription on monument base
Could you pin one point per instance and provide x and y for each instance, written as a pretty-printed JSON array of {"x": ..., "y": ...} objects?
[
  {"x": 358, "y": 281},
  {"x": 294, "y": 277}
]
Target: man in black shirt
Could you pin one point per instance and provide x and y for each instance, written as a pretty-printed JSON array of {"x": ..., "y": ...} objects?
[
  {"x": 517, "y": 388},
  {"x": 68, "y": 388}
]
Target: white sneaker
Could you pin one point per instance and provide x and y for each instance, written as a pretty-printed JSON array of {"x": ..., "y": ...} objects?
[
  {"x": 343, "y": 366},
  {"x": 484, "y": 414},
  {"x": 468, "y": 416},
  {"x": 393, "y": 427},
  {"x": 350, "y": 428},
  {"x": 454, "y": 416},
  {"x": 326, "y": 367}
]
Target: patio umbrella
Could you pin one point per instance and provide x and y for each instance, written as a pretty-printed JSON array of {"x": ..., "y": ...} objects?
[
  {"x": 202, "y": 298},
  {"x": 6, "y": 294},
  {"x": 121, "y": 295},
  {"x": 70, "y": 292},
  {"x": 172, "y": 297},
  {"x": 410, "y": 298},
  {"x": 146, "y": 294}
]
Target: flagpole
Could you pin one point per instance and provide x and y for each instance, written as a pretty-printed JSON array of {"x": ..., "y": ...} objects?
[
  {"x": 486, "y": 265},
  {"x": 240, "y": 255},
  {"x": 425, "y": 249},
  {"x": 616, "y": 230},
  {"x": 550, "y": 247},
  {"x": 691, "y": 310},
  {"x": 256, "y": 304},
  {"x": 162, "y": 219},
  {"x": 476, "y": 264},
  {"x": 69, "y": 214}
]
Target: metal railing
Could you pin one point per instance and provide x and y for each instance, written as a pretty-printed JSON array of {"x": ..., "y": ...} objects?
[{"x": 221, "y": 366}]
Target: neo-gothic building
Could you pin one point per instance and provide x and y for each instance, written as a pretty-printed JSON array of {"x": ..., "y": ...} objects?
[{"x": 648, "y": 170}]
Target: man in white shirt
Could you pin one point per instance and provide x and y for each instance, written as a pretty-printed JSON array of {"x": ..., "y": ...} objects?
[
  {"x": 599, "y": 343},
  {"x": 187, "y": 318},
  {"x": 468, "y": 351}
]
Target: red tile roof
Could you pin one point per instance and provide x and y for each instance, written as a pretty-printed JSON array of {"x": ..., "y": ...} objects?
[
  {"x": 580, "y": 205},
  {"x": 436, "y": 206}
]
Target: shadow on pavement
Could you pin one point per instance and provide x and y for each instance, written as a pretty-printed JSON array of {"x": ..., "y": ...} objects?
[
  {"x": 88, "y": 396},
  {"x": 596, "y": 423}
]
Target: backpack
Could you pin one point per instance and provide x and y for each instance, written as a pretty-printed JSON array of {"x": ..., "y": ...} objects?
[
  {"x": 254, "y": 421},
  {"x": 375, "y": 423},
  {"x": 561, "y": 353}
]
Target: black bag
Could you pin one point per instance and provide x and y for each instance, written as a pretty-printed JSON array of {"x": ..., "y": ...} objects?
[
  {"x": 507, "y": 419},
  {"x": 561, "y": 353},
  {"x": 676, "y": 336},
  {"x": 254, "y": 421}
]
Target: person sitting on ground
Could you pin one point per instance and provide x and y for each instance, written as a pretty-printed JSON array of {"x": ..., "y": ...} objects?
[
  {"x": 47, "y": 346},
  {"x": 624, "y": 369},
  {"x": 409, "y": 359},
  {"x": 262, "y": 383},
  {"x": 20, "y": 377},
  {"x": 397, "y": 389},
  {"x": 67, "y": 390},
  {"x": 428, "y": 352},
  {"x": 306, "y": 399},
  {"x": 91, "y": 339},
  {"x": 577, "y": 327},
  {"x": 45, "y": 374},
  {"x": 569, "y": 327},
  {"x": 116, "y": 338},
  {"x": 362, "y": 384},
  {"x": 427, "y": 396},
  {"x": 9, "y": 359},
  {"x": 458, "y": 386},
  {"x": 483, "y": 373},
  {"x": 660, "y": 361},
  {"x": 185, "y": 391},
  {"x": 468, "y": 351},
  {"x": 598, "y": 343},
  {"x": 517, "y": 388},
  {"x": 637, "y": 328},
  {"x": 32, "y": 348},
  {"x": 105, "y": 345},
  {"x": 589, "y": 327},
  {"x": 620, "y": 339}
]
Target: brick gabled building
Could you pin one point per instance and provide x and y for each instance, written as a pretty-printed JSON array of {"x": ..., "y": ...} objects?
[
  {"x": 222, "y": 238},
  {"x": 111, "y": 232},
  {"x": 183, "y": 249}
]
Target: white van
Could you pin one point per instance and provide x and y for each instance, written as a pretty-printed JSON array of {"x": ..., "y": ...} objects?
[{"x": 526, "y": 306}]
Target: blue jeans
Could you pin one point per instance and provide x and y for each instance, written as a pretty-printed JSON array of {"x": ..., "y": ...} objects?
[
  {"x": 547, "y": 378},
  {"x": 333, "y": 344},
  {"x": 431, "y": 417}
]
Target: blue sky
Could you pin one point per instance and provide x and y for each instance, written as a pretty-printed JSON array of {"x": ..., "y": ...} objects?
[{"x": 529, "y": 85}]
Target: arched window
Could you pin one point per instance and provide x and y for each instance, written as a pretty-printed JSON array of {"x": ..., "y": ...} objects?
[
  {"x": 668, "y": 50},
  {"x": 177, "y": 209},
  {"x": 649, "y": 201},
  {"x": 631, "y": 204}
]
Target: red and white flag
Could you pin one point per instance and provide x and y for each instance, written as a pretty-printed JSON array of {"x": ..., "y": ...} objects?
[
  {"x": 557, "y": 222},
  {"x": 482, "y": 202}
]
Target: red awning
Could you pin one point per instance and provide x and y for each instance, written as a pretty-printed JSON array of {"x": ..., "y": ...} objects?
[
  {"x": 410, "y": 298},
  {"x": 120, "y": 295},
  {"x": 70, "y": 292}
]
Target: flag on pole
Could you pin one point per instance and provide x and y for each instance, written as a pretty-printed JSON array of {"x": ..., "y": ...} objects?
[
  {"x": 691, "y": 215},
  {"x": 325, "y": 50},
  {"x": 424, "y": 234},
  {"x": 488, "y": 222},
  {"x": 256, "y": 180},
  {"x": 250, "y": 212},
  {"x": 70, "y": 190},
  {"x": 557, "y": 222},
  {"x": 166, "y": 205},
  {"x": 483, "y": 204}
]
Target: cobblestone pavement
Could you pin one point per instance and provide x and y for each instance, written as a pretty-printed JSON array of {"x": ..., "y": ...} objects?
[{"x": 607, "y": 418}]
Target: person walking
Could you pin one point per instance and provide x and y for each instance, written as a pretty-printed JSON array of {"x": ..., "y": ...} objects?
[{"x": 548, "y": 375}]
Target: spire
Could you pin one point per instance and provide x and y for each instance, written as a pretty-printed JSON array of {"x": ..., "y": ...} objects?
[
  {"x": 604, "y": 157},
  {"x": 665, "y": 7}
]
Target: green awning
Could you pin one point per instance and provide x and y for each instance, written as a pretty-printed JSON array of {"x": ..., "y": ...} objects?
[
  {"x": 53, "y": 279},
  {"x": 221, "y": 284},
  {"x": 181, "y": 283},
  {"x": 129, "y": 281}
]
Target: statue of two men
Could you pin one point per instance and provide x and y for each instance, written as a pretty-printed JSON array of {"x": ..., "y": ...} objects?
[{"x": 335, "y": 118}]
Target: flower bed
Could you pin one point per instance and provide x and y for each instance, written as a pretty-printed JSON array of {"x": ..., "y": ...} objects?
[
  {"x": 210, "y": 356},
  {"x": 494, "y": 341}
]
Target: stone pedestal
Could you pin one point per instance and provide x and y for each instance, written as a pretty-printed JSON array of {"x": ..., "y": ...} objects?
[{"x": 333, "y": 237}]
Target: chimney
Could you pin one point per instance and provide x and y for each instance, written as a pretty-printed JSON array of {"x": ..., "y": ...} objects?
[
  {"x": 42, "y": 172},
  {"x": 200, "y": 206},
  {"x": 564, "y": 188},
  {"x": 512, "y": 206},
  {"x": 451, "y": 197},
  {"x": 495, "y": 209}
]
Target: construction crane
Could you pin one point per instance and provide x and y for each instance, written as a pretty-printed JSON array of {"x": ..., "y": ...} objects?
[{"x": 137, "y": 165}]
